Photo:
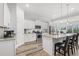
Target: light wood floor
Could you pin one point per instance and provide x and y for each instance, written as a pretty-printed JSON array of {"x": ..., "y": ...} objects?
[
  {"x": 35, "y": 49},
  {"x": 31, "y": 49}
]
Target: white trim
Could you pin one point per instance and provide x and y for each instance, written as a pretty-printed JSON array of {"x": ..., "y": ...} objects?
[
  {"x": 48, "y": 52},
  {"x": 19, "y": 45}
]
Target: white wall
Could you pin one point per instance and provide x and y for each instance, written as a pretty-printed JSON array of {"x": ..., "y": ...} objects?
[{"x": 20, "y": 27}]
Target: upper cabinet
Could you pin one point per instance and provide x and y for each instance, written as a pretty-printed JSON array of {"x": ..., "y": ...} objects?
[
  {"x": 6, "y": 15},
  {"x": 29, "y": 24},
  {"x": 1, "y": 14}
]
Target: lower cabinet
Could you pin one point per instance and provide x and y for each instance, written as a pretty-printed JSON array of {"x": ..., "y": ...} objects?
[
  {"x": 30, "y": 37},
  {"x": 7, "y": 48}
]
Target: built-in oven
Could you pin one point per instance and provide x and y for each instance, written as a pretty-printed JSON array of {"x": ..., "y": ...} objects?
[
  {"x": 8, "y": 33},
  {"x": 38, "y": 33}
]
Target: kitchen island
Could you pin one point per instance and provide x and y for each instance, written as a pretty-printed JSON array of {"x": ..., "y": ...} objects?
[
  {"x": 49, "y": 41},
  {"x": 7, "y": 47}
]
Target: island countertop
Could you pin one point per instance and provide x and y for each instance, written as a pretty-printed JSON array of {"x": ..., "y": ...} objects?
[
  {"x": 55, "y": 36},
  {"x": 7, "y": 39}
]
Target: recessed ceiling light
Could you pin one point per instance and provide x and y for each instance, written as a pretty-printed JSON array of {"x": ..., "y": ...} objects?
[{"x": 27, "y": 5}]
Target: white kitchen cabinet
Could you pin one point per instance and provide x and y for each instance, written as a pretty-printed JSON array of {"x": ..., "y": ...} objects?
[
  {"x": 1, "y": 19},
  {"x": 6, "y": 15},
  {"x": 48, "y": 45},
  {"x": 1, "y": 14},
  {"x": 29, "y": 24},
  {"x": 30, "y": 37},
  {"x": 7, "y": 48}
]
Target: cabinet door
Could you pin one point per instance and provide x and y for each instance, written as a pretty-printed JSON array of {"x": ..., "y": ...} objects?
[
  {"x": 7, "y": 48},
  {"x": 30, "y": 37},
  {"x": 1, "y": 14},
  {"x": 4, "y": 48},
  {"x": 12, "y": 49},
  {"x": 6, "y": 15},
  {"x": 26, "y": 38}
]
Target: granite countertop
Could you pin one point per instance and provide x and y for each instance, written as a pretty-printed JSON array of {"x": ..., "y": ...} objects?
[
  {"x": 29, "y": 33},
  {"x": 57, "y": 36},
  {"x": 53, "y": 36},
  {"x": 7, "y": 39},
  {"x": 47, "y": 35}
]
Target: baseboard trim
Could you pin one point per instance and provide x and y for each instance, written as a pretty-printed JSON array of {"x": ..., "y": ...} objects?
[
  {"x": 48, "y": 52},
  {"x": 19, "y": 45}
]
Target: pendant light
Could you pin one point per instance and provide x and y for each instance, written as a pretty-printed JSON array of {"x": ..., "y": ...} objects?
[
  {"x": 67, "y": 5},
  {"x": 60, "y": 16},
  {"x": 67, "y": 12},
  {"x": 61, "y": 11}
]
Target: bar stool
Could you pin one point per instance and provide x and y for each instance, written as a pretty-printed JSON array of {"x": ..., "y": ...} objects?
[
  {"x": 71, "y": 44},
  {"x": 76, "y": 41},
  {"x": 62, "y": 46}
]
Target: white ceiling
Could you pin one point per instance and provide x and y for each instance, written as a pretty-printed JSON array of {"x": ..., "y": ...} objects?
[{"x": 48, "y": 11}]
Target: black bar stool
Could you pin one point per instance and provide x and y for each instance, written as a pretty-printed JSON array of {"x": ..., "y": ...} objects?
[
  {"x": 71, "y": 44},
  {"x": 62, "y": 47},
  {"x": 76, "y": 41}
]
